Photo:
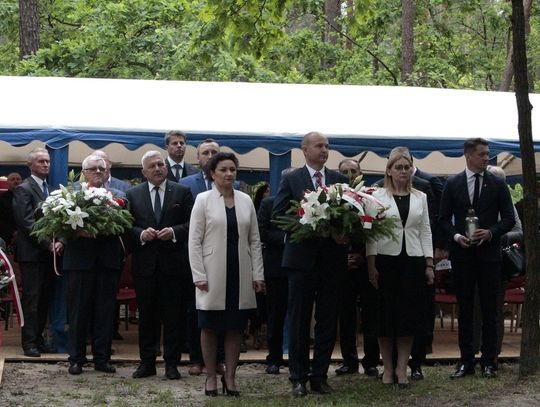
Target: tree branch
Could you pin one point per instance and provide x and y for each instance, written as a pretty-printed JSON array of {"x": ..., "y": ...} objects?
[{"x": 365, "y": 49}]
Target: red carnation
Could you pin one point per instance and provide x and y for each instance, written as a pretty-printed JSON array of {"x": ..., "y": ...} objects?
[
  {"x": 121, "y": 203},
  {"x": 300, "y": 212}
]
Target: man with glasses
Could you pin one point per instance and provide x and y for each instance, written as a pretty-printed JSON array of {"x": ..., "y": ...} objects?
[{"x": 92, "y": 265}]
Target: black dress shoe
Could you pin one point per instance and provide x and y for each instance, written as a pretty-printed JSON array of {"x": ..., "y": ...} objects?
[
  {"x": 75, "y": 368},
  {"x": 299, "y": 389},
  {"x": 371, "y": 371},
  {"x": 44, "y": 348},
  {"x": 144, "y": 370},
  {"x": 462, "y": 370},
  {"x": 227, "y": 391},
  {"x": 320, "y": 387},
  {"x": 489, "y": 372},
  {"x": 416, "y": 374},
  {"x": 105, "y": 367},
  {"x": 32, "y": 352},
  {"x": 272, "y": 369},
  {"x": 171, "y": 372},
  {"x": 346, "y": 369}
]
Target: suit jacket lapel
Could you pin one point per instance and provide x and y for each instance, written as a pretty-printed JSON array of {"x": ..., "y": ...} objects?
[
  {"x": 201, "y": 185},
  {"x": 307, "y": 181},
  {"x": 37, "y": 189},
  {"x": 167, "y": 197}
]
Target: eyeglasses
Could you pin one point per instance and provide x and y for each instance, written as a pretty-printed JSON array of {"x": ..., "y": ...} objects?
[
  {"x": 95, "y": 169},
  {"x": 402, "y": 167}
]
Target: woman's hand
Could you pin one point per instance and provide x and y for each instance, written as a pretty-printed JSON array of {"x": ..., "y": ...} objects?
[
  {"x": 373, "y": 275},
  {"x": 201, "y": 285},
  {"x": 430, "y": 275},
  {"x": 259, "y": 286}
]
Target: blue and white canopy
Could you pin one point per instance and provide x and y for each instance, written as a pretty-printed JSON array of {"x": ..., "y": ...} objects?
[{"x": 244, "y": 116}]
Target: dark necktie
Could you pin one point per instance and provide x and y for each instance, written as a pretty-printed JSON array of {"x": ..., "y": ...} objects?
[
  {"x": 476, "y": 193},
  {"x": 318, "y": 179},
  {"x": 45, "y": 189},
  {"x": 177, "y": 168},
  {"x": 157, "y": 205}
]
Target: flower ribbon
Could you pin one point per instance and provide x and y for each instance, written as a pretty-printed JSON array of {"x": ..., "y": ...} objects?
[
  {"x": 54, "y": 259},
  {"x": 14, "y": 288}
]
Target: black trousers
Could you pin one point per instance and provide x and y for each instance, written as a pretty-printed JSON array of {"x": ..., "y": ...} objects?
[
  {"x": 38, "y": 280},
  {"x": 319, "y": 286},
  {"x": 423, "y": 343},
  {"x": 487, "y": 277},
  {"x": 368, "y": 303},
  {"x": 159, "y": 301},
  {"x": 91, "y": 298},
  {"x": 277, "y": 291},
  {"x": 347, "y": 317}
]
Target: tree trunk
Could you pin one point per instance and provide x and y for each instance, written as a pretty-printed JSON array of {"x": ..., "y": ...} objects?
[
  {"x": 350, "y": 17},
  {"x": 509, "y": 70},
  {"x": 332, "y": 11},
  {"x": 407, "y": 41},
  {"x": 530, "y": 337},
  {"x": 28, "y": 28}
]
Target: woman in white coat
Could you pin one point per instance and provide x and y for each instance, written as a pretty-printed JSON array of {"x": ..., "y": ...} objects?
[
  {"x": 400, "y": 268},
  {"x": 227, "y": 267}
]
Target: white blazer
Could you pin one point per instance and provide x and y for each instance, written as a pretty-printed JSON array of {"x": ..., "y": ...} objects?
[
  {"x": 417, "y": 230},
  {"x": 208, "y": 249}
]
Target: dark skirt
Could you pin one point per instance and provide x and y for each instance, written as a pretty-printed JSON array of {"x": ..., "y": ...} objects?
[
  {"x": 226, "y": 320},
  {"x": 402, "y": 295}
]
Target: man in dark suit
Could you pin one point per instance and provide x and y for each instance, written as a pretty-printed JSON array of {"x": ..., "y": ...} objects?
[
  {"x": 92, "y": 266},
  {"x": 476, "y": 259},
  {"x": 161, "y": 209},
  {"x": 35, "y": 258},
  {"x": 177, "y": 168},
  {"x": 277, "y": 284},
  {"x": 356, "y": 282},
  {"x": 315, "y": 269},
  {"x": 7, "y": 223}
]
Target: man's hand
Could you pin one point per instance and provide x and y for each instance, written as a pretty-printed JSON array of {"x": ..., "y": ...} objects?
[
  {"x": 464, "y": 242},
  {"x": 165, "y": 234},
  {"x": 201, "y": 285},
  {"x": 354, "y": 260},
  {"x": 149, "y": 234},
  {"x": 430, "y": 275},
  {"x": 480, "y": 236},
  {"x": 56, "y": 247}
]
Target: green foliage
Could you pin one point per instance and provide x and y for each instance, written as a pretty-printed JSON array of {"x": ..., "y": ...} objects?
[
  {"x": 516, "y": 193},
  {"x": 457, "y": 44}
]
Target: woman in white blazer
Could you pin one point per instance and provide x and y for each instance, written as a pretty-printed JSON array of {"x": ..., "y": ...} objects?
[
  {"x": 399, "y": 268},
  {"x": 227, "y": 267}
]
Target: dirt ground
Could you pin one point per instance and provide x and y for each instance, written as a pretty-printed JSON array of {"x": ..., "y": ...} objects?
[{"x": 41, "y": 384}]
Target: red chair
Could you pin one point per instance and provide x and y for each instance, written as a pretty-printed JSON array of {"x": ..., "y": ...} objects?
[
  {"x": 515, "y": 297},
  {"x": 442, "y": 297},
  {"x": 126, "y": 293}
]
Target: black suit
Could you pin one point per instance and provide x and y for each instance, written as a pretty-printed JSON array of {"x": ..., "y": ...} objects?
[
  {"x": 187, "y": 170},
  {"x": 36, "y": 262},
  {"x": 275, "y": 276},
  {"x": 7, "y": 223},
  {"x": 159, "y": 267},
  {"x": 92, "y": 267},
  {"x": 477, "y": 265},
  {"x": 316, "y": 268}
]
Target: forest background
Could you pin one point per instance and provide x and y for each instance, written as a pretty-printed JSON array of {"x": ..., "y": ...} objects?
[{"x": 463, "y": 44}]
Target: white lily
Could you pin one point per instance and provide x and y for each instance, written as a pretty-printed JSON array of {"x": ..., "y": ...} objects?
[{"x": 75, "y": 217}]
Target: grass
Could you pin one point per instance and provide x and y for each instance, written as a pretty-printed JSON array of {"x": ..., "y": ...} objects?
[{"x": 436, "y": 390}]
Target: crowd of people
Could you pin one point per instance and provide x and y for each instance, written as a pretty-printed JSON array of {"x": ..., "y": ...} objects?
[{"x": 204, "y": 253}]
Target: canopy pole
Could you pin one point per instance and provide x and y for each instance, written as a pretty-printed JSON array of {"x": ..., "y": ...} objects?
[
  {"x": 58, "y": 172},
  {"x": 277, "y": 164}
]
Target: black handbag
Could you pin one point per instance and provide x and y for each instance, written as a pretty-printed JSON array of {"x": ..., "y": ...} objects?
[{"x": 513, "y": 261}]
